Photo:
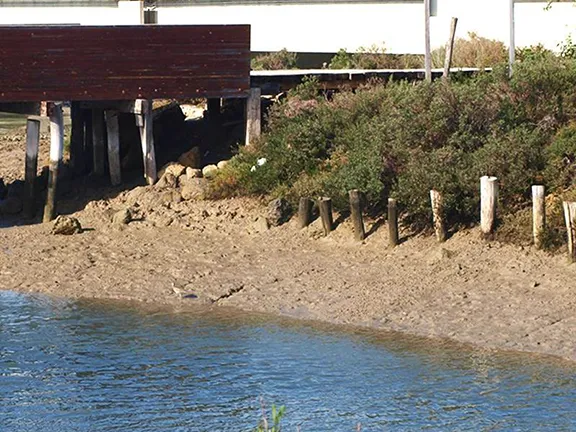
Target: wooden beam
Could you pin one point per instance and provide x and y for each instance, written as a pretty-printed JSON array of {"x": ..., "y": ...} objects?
[
  {"x": 56, "y": 150},
  {"x": 32, "y": 145},
  {"x": 450, "y": 48},
  {"x": 113, "y": 135},
  {"x": 147, "y": 140},
  {"x": 253, "y": 116}
]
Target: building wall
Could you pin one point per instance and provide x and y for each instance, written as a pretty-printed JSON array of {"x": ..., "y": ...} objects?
[{"x": 127, "y": 13}]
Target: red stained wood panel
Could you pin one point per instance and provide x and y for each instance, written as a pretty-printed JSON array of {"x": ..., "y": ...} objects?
[{"x": 124, "y": 62}]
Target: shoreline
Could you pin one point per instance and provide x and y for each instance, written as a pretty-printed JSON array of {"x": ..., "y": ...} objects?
[{"x": 485, "y": 294}]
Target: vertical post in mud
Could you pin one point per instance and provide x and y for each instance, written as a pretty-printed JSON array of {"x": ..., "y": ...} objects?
[
  {"x": 393, "y": 222},
  {"x": 88, "y": 142},
  {"x": 147, "y": 139},
  {"x": 570, "y": 219},
  {"x": 538, "y": 214},
  {"x": 56, "y": 150},
  {"x": 325, "y": 206},
  {"x": 253, "y": 116},
  {"x": 438, "y": 215},
  {"x": 450, "y": 48},
  {"x": 77, "y": 159},
  {"x": 113, "y": 134},
  {"x": 304, "y": 212},
  {"x": 98, "y": 141},
  {"x": 32, "y": 144},
  {"x": 356, "y": 213},
  {"x": 488, "y": 200}
]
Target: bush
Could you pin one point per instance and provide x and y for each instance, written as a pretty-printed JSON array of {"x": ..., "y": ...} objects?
[
  {"x": 403, "y": 139},
  {"x": 282, "y": 59},
  {"x": 476, "y": 51},
  {"x": 374, "y": 57}
]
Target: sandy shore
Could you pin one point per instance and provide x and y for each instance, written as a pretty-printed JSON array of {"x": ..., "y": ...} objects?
[{"x": 484, "y": 293}]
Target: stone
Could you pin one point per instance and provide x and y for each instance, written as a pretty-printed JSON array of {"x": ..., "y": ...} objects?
[
  {"x": 174, "y": 168},
  {"x": 193, "y": 189},
  {"x": 168, "y": 180},
  {"x": 279, "y": 211},
  {"x": 193, "y": 173},
  {"x": 222, "y": 164},
  {"x": 123, "y": 217},
  {"x": 66, "y": 225},
  {"x": 11, "y": 205},
  {"x": 209, "y": 171},
  {"x": 192, "y": 158},
  {"x": 261, "y": 225}
]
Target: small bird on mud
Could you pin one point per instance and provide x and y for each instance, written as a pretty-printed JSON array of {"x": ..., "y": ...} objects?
[{"x": 180, "y": 289}]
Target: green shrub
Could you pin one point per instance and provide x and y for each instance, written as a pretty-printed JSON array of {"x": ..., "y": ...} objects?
[{"x": 282, "y": 59}]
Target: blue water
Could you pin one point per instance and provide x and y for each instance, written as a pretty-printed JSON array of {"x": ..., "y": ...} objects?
[{"x": 101, "y": 366}]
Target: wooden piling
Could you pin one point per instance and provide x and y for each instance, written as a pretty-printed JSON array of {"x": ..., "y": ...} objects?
[
  {"x": 32, "y": 144},
  {"x": 253, "y": 116},
  {"x": 392, "y": 222},
  {"x": 450, "y": 48},
  {"x": 570, "y": 219},
  {"x": 538, "y": 214},
  {"x": 356, "y": 214},
  {"x": 147, "y": 139},
  {"x": 325, "y": 206},
  {"x": 427, "y": 46},
  {"x": 77, "y": 156},
  {"x": 98, "y": 142},
  {"x": 305, "y": 212},
  {"x": 488, "y": 200},
  {"x": 88, "y": 142},
  {"x": 113, "y": 134},
  {"x": 56, "y": 150},
  {"x": 438, "y": 215}
]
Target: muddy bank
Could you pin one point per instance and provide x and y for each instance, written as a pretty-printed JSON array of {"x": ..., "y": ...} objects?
[{"x": 218, "y": 253}]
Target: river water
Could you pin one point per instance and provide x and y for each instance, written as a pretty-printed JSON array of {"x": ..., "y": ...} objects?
[{"x": 104, "y": 366}]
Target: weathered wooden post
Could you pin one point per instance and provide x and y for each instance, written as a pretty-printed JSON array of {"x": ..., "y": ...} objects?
[
  {"x": 147, "y": 138},
  {"x": 98, "y": 142},
  {"x": 438, "y": 215},
  {"x": 427, "y": 46},
  {"x": 512, "y": 46},
  {"x": 356, "y": 213},
  {"x": 113, "y": 133},
  {"x": 32, "y": 144},
  {"x": 305, "y": 212},
  {"x": 450, "y": 48},
  {"x": 253, "y": 116},
  {"x": 392, "y": 222},
  {"x": 488, "y": 200},
  {"x": 56, "y": 150},
  {"x": 77, "y": 157},
  {"x": 538, "y": 214},
  {"x": 325, "y": 206},
  {"x": 570, "y": 219}
]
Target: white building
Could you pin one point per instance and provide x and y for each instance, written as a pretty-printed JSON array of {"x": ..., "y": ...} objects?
[{"x": 320, "y": 25}]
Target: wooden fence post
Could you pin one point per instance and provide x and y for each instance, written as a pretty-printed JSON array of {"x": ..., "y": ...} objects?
[
  {"x": 253, "y": 116},
  {"x": 325, "y": 206},
  {"x": 538, "y": 214},
  {"x": 392, "y": 222},
  {"x": 98, "y": 142},
  {"x": 356, "y": 213},
  {"x": 56, "y": 149},
  {"x": 147, "y": 138},
  {"x": 427, "y": 46},
  {"x": 570, "y": 219},
  {"x": 450, "y": 48},
  {"x": 113, "y": 132},
  {"x": 32, "y": 144},
  {"x": 488, "y": 200},
  {"x": 438, "y": 215},
  {"x": 305, "y": 212}
]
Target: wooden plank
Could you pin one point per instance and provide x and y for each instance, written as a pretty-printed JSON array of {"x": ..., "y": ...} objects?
[
  {"x": 147, "y": 139},
  {"x": 113, "y": 135},
  {"x": 56, "y": 149},
  {"x": 32, "y": 145},
  {"x": 123, "y": 62}
]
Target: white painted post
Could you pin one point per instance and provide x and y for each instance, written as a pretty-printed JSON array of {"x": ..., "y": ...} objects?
[
  {"x": 427, "y": 48},
  {"x": 488, "y": 200},
  {"x": 538, "y": 214},
  {"x": 570, "y": 219},
  {"x": 32, "y": 144},
  {"x": 147, "y": 139},
  {"x": 512, "y": 48},
  {"x": 56, "y": 150},
  {"x": 253, "y": 116},
  {"x": 113, "y": 132}
]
